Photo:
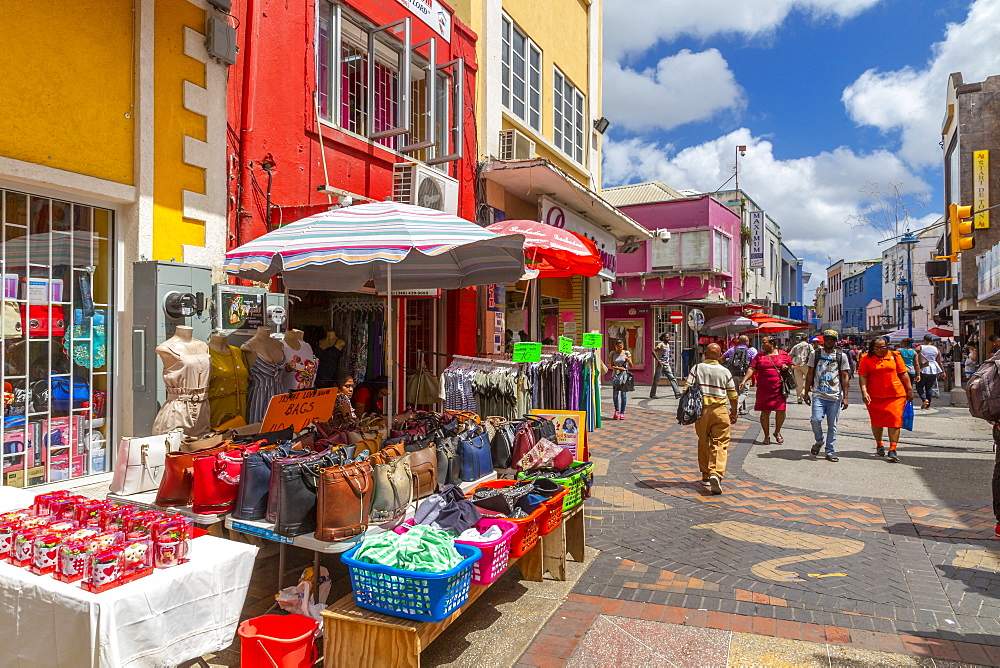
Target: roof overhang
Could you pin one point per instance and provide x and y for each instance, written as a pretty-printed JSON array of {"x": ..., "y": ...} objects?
[{"x": 529, "y": 179}]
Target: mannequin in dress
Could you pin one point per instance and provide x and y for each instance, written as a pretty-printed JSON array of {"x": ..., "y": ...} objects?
[
  {"x": 266, "y": 357},
  {"x": 228, "y": 388},
  {"x": 329, "y": 351},
  {"x": 300, "y": 363},
  {"x": 187, "y": 371}
]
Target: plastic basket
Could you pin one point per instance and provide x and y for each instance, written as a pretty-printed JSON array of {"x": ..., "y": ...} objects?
[
  {"x": 578, "y": 485},
  {"x": 496, "y": 553},
  {"x": 527, "y": 527},
  {"x": 554, "y": 513},
  {"x": 422, "y": 597}
]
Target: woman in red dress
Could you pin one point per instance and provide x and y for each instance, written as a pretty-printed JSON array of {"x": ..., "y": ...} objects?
[{"x": 767, "y": 367}]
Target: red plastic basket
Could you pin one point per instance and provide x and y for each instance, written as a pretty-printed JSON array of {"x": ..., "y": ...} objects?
[
  {"x": 527, "y": 527},
  {"x": 496, "y": 553},
  {"x": 554, "y": 513}
]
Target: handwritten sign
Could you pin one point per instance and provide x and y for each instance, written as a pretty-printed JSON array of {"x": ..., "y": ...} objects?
[
  {"x": 591, "y": 340},
  {"x": 527, "y": 351},
  {"x": 299, "y": 409},
  {"x": 565, "y": 344}
]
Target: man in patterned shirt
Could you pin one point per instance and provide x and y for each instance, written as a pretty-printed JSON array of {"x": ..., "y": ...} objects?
[{"x": 717, "y": 386}]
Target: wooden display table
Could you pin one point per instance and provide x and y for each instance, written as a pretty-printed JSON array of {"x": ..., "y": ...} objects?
[{"x": 357, "y": 638}]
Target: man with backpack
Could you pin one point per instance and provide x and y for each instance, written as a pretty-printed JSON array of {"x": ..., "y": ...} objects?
[
  {"x": 828, "y": 381},
  {"x": 983, "y": 392},
  {"x": 737, "y": 360},
  {"x": 717, "y": 386}
]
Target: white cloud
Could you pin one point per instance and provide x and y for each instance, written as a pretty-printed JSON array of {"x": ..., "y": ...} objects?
[
  {"x": 811, "y": 198},
  {"x": 911, "y": 100},
  {"x": 682, "y": 88},
  {"x": 633, "y": 26}
]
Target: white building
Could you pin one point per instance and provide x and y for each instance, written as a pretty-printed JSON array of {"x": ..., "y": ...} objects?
[
  {"x": 894, "y": 271},
  {"x": 761, "y": 285}
]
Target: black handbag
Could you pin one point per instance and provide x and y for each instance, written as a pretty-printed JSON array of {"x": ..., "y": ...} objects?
[
  {"x": 502, "y": 445},
  {"x": 296, "y": 489},
  {"x": 623, "y": 381},
  {"x": 543, "y": 427},
  {"x": 691, "y": 403},
  {"x": 449, "y": 461},
  {"x": 255, "y": 481}
]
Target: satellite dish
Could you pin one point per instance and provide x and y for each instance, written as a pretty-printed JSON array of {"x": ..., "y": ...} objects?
[{"x": 429, "y": 195}]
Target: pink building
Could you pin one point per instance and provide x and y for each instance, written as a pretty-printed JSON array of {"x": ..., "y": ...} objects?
[{"x": 697, "y": 267}]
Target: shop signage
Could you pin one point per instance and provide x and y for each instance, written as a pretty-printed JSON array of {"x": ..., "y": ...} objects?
[
  {"x": 496, "y": 297},
  {"x": 433, "y": 14},
  {"x": 981, "y": 189},
  {"x": 696, "y": 319},
  {"x": 757, "y": 239},
  {"x": 676, "y": 317},
  {"x": 527, "y": 351},
  {"x": 299, "y": 409},
  {"x": 571, "y": 430},
  {"x": 431, "y": 293},
  {"x": 498, "y": 331},
  {"x": 591, "y": 340},
  {"x": 565, "y": 344},
  {"x": 557, "y": 215},
  {"x": 241, "y": 311}
]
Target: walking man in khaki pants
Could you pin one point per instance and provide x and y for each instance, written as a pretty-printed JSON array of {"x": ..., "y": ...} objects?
[
  {"x": 717, "y": 386},
  {"x": 800, "y": 353}
]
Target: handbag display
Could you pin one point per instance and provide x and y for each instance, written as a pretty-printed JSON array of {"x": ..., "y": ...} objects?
[
  {"x": 502, "y": 444},
  {"x": 277, "y": 465},
  {"x": 449, "y": 461},
  {"x": 423, "y": 467},
  {"x": 140, "y": 464},
  {"x": 423, "y": 387},
  {"x": 544, "y": 427},
  {"x": 42, "y": 321},
  {"x": 255, "y": 480},
  {"x": 525, "y": 439},
  {"x": 476, "y": 455},
  {"x": 392, "y": 492},
  {"x": 217, "y": 481},
  {"x": 296, "y": 489},
  {"x": 344, "y": 500},
  {"x": 177, "y": 484}
]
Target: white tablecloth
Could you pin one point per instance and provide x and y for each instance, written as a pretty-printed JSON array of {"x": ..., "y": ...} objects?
[{"x": 174, "y": 615}]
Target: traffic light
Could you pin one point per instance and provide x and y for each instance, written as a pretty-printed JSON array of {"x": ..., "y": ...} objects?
[{"x": 960, "y": 228}]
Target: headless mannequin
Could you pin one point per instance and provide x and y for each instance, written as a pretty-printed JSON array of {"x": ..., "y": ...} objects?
[
  {"x": 332, "y": 340},
  {"x": 293, "y": 338},
  {"x": 183, "y": 340},
  {"x": 219, "y": 342},
  {"x": 263, "y": 345}
]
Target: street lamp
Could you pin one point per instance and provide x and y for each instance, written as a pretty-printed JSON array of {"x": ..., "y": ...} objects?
[{"x": 909, "y": 241}]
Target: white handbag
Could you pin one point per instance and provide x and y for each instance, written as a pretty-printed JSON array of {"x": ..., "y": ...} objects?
[{"x": 140, "y": 462}]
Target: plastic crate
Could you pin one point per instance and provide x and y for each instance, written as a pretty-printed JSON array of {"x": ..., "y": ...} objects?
[
  {"x": 578, "y": 485},
  {"x": 527, "y": 527},
  {"x": 496, "y": 553},
  {"x": 422, "y": 597},
  {"x": 553, "y": 517}
]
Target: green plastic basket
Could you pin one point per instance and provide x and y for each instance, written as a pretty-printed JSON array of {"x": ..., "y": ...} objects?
[{"x": 577, "y": 485}]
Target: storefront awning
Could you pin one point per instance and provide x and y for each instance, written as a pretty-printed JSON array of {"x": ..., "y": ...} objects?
[{"x": 530, "y": 179}]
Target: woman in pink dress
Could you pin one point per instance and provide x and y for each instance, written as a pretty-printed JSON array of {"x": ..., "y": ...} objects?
[{"x": 767, "y": 367}]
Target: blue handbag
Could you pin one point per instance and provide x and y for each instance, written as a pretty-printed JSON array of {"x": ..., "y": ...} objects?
[
  {"x": 255, "y": 482},
  {"x": 68, "y": 393},
  {"x": 476, "y": 454}
]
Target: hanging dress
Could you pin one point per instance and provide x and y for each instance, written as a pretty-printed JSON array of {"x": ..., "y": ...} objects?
[
  {"x": 265, "y": 377},
  {"x": 227, "y": 389},
  {"x": 300, "y": 367},
  {"x": 329, "y": 364},
  {"x": 187, "y": 395}
]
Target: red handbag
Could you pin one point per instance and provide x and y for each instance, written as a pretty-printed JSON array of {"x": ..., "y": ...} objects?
[
  {"x": 43, "y": 320},
  {"x": 217, "y": 481}
]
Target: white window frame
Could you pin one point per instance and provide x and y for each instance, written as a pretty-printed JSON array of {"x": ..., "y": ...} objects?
[
  {"x": 529, "y": 76},
  {"x": 722, "y": 261},
  {"x": 568, "y": 117}
]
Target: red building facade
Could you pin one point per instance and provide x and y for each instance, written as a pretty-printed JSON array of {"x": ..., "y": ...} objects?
[{"x": 355, "y": 99}]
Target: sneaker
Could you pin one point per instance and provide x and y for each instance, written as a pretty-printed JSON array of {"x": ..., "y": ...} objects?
[
  {"x": 893, "y": 456},
  {"x": 832, "y": 458},
  {"x": 926, "y": 405},
  {"x": 705, "y": 482},
  {"x": 621, "y": 416},
  {"x": 880, "y": 451},
  {"x": 815, "y": 448},
  {"x": 715, "y": 484},
  {"x": 616, "y": 416}
]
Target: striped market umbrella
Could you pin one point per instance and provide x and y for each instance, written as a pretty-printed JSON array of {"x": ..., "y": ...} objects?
[
  {"x": 394, "y": 245},
  {"x": 774, "y": 327},
  {"x": 555, "y": 252},
  {"x": 727, "y": 321}
]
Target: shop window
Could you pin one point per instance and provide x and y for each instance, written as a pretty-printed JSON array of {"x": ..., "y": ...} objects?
[
  {"x": 372, "y": 81},
  {"x": 686, "y": 251},
  {"x": 55, "y": 337},
  {"x": 567, "y": 116},
  {"x": 521, "y": 74},
  {"x": 721, "y": 253}
]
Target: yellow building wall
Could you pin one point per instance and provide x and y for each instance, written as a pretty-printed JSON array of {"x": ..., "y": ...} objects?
[
  {"x": 68, "y": 86},
  {"x": 171, "y": 123}
]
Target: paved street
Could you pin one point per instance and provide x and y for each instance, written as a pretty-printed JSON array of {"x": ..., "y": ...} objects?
[{"x": 800, "y": 562}]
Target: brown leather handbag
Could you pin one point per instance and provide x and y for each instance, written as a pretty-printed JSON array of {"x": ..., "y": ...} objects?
[
  {"x": 388, "y": 452},
  {"x": 176, "y": 486},
  {"x": 423, "y": 466},
  {"x": 344, "y": 500},
  {"x": 393, "y": 491}
]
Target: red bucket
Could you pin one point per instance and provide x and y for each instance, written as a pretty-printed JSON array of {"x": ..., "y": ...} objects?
[{"x": 278, "y": 641}]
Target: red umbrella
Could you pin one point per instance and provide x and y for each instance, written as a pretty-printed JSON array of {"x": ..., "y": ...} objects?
[
  {"x": 772, "y": 327},
  {"x": 943, "y": 332},
  {"x": 553, "y": 251}
]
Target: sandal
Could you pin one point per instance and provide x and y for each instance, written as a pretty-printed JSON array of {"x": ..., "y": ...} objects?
[
  {"x": 778, "y": 438},
  {"x": 767, "y": 441}
]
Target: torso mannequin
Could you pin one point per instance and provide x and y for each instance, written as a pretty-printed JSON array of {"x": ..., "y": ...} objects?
[
  {"x": 263, "y": 345},
  {"x": 332, "y": 340},
  {"x": 300, "y": 363},
  {"x": 186, "y": 373},
  {"x": 228, "y": 389},
  {"x": 329, "y": 351},
  {"x": 219, "y": 342},
  {"x": 181, "y": 343}
]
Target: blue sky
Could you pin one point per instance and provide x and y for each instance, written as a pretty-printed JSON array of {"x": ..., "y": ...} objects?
[{"x": 828, "y": 96}]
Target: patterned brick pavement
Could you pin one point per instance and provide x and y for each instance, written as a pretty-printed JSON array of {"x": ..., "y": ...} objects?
[{"x": 914, "y": 577}]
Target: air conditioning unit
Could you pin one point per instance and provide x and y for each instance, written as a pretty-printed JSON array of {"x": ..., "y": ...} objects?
[
  {"x": 416, "y": 183},
  {"x": 795, "y": 303},
  {"x": 607, "y": 288},
  {"x": 515, "y": 146}
]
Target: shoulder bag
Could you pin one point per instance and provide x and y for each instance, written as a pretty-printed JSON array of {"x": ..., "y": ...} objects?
[
  {"x": 297, "y": 487},
  {"x": 216, "y": 481},
  {"x": 255, "y": 479},
  {"x": 449, "y": 461},
  {"x": 788, "y": 383},
  {"x": 477, "y": 457},
  {"x": 140, "y": 462},
  {"x": 344, "y": 499},
  {"x": 423, "y": 467},
  {"x": 177, "y": 485},
  {"x": 502, "y": 444},
  {"x": 691, "y": 403},
  {"x": 392, "y": 491}
]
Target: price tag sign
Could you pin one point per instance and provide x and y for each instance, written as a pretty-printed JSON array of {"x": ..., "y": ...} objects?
[
  {"x": 591, "y": 340},
  {"x": 565, "y": 344},
  {"x": 299, "y": 409},
  {"x": 527, "y": 351}
]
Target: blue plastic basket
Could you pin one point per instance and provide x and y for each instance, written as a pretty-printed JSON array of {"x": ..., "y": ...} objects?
[{"x": 423, "y": 597}]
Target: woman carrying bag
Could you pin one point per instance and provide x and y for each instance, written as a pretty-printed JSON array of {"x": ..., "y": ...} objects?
[
  {"x": 768, "y": 366},
  {"x": 622, "y": 381}
]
